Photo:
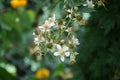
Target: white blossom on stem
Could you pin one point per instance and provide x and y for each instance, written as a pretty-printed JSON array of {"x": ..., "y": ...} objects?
[
  {"x": 75, "y": 40},
  {"x": 47, "y": 25},
  {"x": 51, "y": 21},
  {"x": 89, "y": 3},
  {"x": 62, "y": 52}
]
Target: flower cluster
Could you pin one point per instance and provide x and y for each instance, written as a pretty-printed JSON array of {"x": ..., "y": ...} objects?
[
  {"x": 73, "y": 13},
  {"x": 56, "y": 38},
  {"x": 74, "y": 16}
]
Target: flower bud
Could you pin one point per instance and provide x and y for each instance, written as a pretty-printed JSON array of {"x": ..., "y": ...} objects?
[
  {"x": 72, "y": 59},
  {"x": 60, "y": 22},
  {"x": 37, "y": 31},
  {"x": 78, "y": 17}
]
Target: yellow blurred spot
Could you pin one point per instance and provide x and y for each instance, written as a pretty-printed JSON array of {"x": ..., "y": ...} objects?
[
  {"x": 42, "y": 73},
  {"x": 18, "y": 3}
]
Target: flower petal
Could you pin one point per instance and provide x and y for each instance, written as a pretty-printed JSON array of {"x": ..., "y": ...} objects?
[
  {"x": 65, "y": 48},
  {"x": 56, "y": 54},
  {"x": 52, "y": 24},
  {"x": 36, "y": 39},
  {"x": 67, "y": 54},
  {"x": 58, "y": 47},
  {"x": 46, "y": 22},
  {"x": 40, "y": 27},
  {"x": 62, "y": 58}
]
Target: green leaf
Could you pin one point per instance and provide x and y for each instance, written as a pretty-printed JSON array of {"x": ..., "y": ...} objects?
[
  {"x": 31, "y": 15},
  {"x": 4, "y": 75},
  {"x": 70, "y": 2},
  {"x": 59, "y": 69}
]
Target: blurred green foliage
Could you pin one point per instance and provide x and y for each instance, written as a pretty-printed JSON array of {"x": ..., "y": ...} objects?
[{"x": 100, "y": 45}]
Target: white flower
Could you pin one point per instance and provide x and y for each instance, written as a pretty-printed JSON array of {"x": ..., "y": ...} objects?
[
  {"x": 69, "y": 15},
  {"x": 69, "y": 11},
  {"x": 75, "y": 41},
  {"x": 62, "y": 51},
  {"x": 51, "y": 21},
  {"x": 45, "y": 27},
  {"x": 89, "y": 3},
  {"x": 48, "y": 24}
]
